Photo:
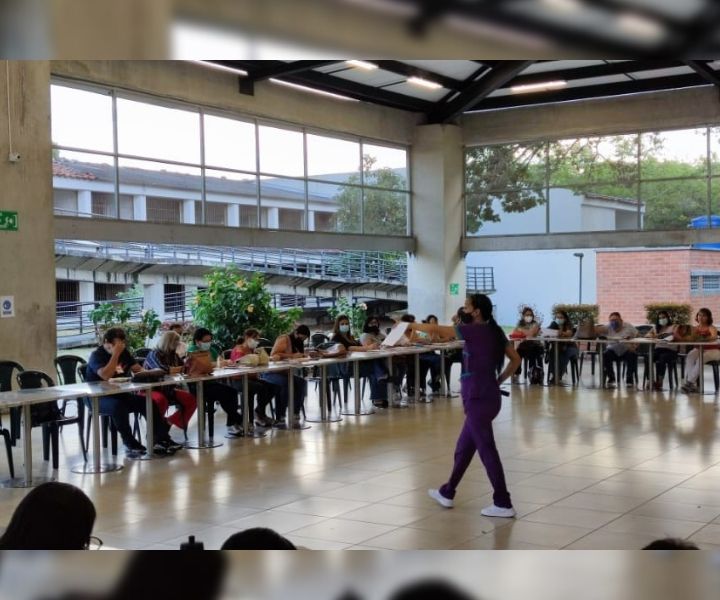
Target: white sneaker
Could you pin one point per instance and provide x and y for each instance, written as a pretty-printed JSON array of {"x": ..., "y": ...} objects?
[
  {"x": 235, "y": 430},
  {"x": 440, "y": 499},
  {"x": 496, "y": 511}
]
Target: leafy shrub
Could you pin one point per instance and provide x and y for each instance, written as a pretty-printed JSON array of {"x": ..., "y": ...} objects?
[
  {"x": 680, "y": 314},
  {"x": 231, "y": 304},
  {"x": 357, "y": 313},
  {"x": 578, "y": 312}
]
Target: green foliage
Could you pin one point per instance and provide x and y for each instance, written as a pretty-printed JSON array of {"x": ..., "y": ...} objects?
[
  {"x": 231, "y": 304},
  {"x": 109, "y": 315},
  {"x": 357, "y": 313},
  {"x": 385, "y": 211},
  {"x": 680, "y": 314},
  {"x": 578, "y": 312}
]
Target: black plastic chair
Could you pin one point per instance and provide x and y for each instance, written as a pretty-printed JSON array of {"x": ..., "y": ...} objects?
[
  {"x": 7, "y": 368},
  {"x": 7, "y": 376},
  {"x": 317, "y": 339},
  {"x": 142, "y": 353},
  {"x": 42, "y": 414},
  {"x": 67, "y": 370},
  {"x": 107, "y": 426},
  {"x": 226, "y": 354}
]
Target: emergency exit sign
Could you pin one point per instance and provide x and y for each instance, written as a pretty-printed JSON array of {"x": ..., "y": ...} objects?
[
  {"x": 8, "y": 220},
  {"x": 454, "y": 289}
]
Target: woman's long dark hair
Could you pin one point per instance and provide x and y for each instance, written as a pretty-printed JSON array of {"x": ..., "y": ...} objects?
[
  {"x": 521, "y": 322},
  {"x": 53, "y": 516},
  {"x": 483, "y": 303},
  {"x": 567, "y": 325}
]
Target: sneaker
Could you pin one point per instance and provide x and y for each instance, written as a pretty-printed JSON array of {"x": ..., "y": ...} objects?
[
  {"x": 160, "y": 449},
  {"x": 262, "y": 420},
  {"x": 688, "y": 387},
  {"x": 380, "y": 403},
  {"x": 297, "y": 422},
  {"x": 440, "y": 499},
  {"x": 235, "y": 431},
  {"x": 279, "y": 424},
  {"x": 134, "y": 446},
  {"x": 131, "y": 452},
  {"x": 497, "y": 511},
  {"x": 172, "y": 445}
]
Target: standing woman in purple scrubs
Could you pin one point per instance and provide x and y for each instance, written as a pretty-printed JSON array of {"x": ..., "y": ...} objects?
[{"x": 486, "y": 347}]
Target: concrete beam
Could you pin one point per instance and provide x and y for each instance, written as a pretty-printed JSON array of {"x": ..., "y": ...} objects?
[
  {"x": 111, "y": 230},
  {"x": 597, "y": 239}
]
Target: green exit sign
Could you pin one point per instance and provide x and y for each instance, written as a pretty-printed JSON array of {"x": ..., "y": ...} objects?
[
  {"x": 454, "y": 289},
  {"x": 8, "y": 220}
]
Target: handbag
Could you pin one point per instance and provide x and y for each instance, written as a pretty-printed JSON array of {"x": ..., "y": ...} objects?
[
  {"x": 199, "y": 363},
  {"x": 250, "y": 360},
  {"x": 149, "y": 376}
]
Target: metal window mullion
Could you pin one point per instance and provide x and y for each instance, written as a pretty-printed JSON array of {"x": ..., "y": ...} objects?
[
  {"x": 257, "y": 174},
  {"x": 362, "y": 188},
  {"x": 547, "y": 188},
  {"x": 203, "y": 190},
  {"x": 306, "y": 219},
  {"x": 409, "y": 196},
  {"x": 708, "y": 174},
  {"x": 640, "y": 224},
  {"x": 116, "y": 152}
]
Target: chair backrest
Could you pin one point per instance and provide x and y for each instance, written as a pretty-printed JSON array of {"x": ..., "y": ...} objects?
[
  {"x": 82, "y": 372},
  {"x": 7, "y": 368},
  {"x": 264, "y": 343},
  {"x": 67, "y": 367},
  {"x": 644, "y": 329},
  {"x": 318, "y": 338},
  {"x": 226, "y": 354},
  {"x": 33, "y": 379},
  {"x": 142, "y": 352},
  {"x": 325, "y": 345}
]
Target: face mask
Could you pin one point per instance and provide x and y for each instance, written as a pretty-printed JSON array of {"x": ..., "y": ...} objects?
[
  {"x": 663, "y": 322},
  {"x": 528, "y": 319},
  {"x": 204, "y": 345},
  {"x": 252, "y": 343},
  {"x": 560, "y": 321},
  {"x": 614, "y": 325},
  {"x": 344, "y": 328}
]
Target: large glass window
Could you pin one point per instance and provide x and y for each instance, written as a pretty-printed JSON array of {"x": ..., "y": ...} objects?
[
  {"x": 657, "y": 180},
  {"x": 122, "y": 156}
]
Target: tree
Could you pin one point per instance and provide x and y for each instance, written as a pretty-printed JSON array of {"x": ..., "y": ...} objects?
[
  {"x": 231, "y": 304},
  {"x": 384, "y": 212}
]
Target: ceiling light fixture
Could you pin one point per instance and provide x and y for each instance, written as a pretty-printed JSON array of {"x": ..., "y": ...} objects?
[
  {"x": 304, "y": 88},
  {"x": 426, "y": 83},
  {"x": 538, "y": 87},
  {"x": 566, "y": 6},
  {"x": 362, "y": 64},
  {"x": 641, "y": 26},
  {"x": 212, "y": 65}
]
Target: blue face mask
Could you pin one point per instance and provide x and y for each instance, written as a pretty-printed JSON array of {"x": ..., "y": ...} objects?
[
  {"x": 560, "y": 321},
  {"x": 204, "y": 345},
  {"x": 344, "y": 328}
]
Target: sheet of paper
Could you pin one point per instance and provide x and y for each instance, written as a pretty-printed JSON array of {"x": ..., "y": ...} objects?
[{"x": 395, "y": 335}]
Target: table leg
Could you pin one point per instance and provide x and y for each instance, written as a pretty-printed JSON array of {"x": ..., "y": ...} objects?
[
  {"x": 28, "y": 480},
  {"x": 97, "y": 466},
  {"x": 417, "y": 377},
  {"x": 443, "y": 387},
  {"x": 201, "y": 443},
  {"x": 701, "y": 383},
  {"x": 248, "y": 427},
  {"x": 357, "y": 393},
  {"x": 556, "y": 356},
  {"x": 150, "y": 432},
  {"x": 651, "y": 366},
  {"x": 601, "y": 365}
]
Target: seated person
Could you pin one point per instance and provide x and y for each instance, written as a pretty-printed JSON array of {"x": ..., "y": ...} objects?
[
  {"x": 704, "y": 331},
  {"x": 664, "y": 354},
  {"x": 617, "y": 329},
  {"x": 165, "y": 357},
  {"x": 181, "y": 349},
  {"x": 214, "y": 391},
  {"x": 429, "y": 361},
  {"x": 453, "y": 356},
  {"x": 290, "y": 345},
  {"x": 529, "y": 350},
  {"x": 257, "y": 388},
  {"x": 257, "y": 538},
  {"x": 53, "y": 516},
  {"x": 112, "y": 359},
  {"x": 566, "y": 350}
]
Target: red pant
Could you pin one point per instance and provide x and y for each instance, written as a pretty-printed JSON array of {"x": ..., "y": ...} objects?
[{"x": 181, "y": 417}]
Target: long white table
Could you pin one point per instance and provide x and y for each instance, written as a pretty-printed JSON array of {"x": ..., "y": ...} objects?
[{"x": 24, "y": 399}]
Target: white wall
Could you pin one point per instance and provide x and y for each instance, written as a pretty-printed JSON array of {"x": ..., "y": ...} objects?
[{"x": 541, "y": 278}]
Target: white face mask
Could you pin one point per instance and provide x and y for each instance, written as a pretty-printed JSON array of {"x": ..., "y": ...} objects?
[
  {"x": 252, "y": 343},
  {"x": 528, "y": 319},
  {"x": 663, "y": 322}
]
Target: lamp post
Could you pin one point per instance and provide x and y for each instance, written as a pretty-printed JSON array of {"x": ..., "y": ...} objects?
[{"x": 580, "y": 256}]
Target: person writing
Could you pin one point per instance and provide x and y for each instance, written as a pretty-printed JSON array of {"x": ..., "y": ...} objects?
[
  {"x": 485, "y": 348},
  {"x": 704, "y": 331}
]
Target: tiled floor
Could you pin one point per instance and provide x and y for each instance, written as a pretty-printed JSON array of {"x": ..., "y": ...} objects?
[{"x": 587, "y": 469}]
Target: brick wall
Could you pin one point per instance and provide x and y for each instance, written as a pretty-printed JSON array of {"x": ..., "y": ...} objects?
[{"x": 628, "y": 280}]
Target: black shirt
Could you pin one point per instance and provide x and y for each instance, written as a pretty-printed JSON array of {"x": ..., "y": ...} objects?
[{"x": 101, "y": 357}]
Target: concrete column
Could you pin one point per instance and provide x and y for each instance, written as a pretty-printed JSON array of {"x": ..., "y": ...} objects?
[
  {"x": 154, "y": 296},
  {"x": 87, "y": 291},
  {"x": 188, "y": 214},
  {"x": 140, "y": 208},
  {"x": 232, "y": 215},
  {"x": 27, "y": 256},
  {"x": 273, "y": 218},
  {"x": 84, "y": 203},
  {"x": 437, "y": 219},
  {"x": 311, "y": 220}
]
